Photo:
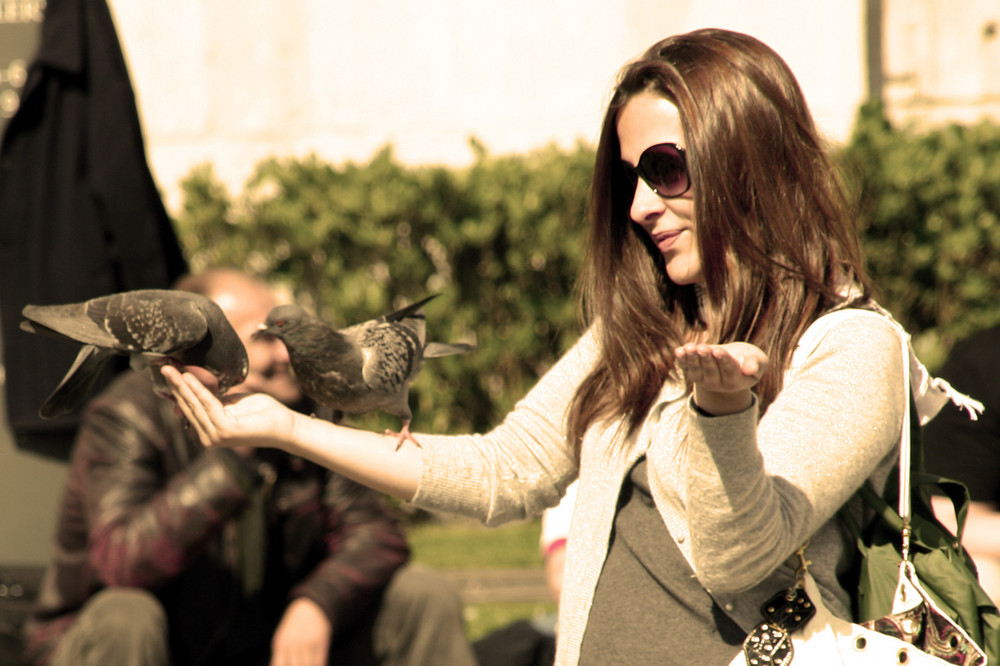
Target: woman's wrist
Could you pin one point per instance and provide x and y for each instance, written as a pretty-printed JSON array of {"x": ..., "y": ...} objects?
[
  {"x": 299, "y": 432},
  {"x": 721, "y": 403}
]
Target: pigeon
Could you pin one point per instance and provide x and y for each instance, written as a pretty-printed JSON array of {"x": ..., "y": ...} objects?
[
  {"x": 361, "y": 368},
  {"x": 153, "y": 327}
]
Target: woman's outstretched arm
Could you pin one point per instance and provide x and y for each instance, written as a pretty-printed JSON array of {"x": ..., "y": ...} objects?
[{"x": 261, "y": 421}]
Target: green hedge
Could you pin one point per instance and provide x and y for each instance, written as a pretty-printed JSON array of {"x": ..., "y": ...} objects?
[
  {"x": 502, "y": 242},
  {"x": 929, "y": 210}
]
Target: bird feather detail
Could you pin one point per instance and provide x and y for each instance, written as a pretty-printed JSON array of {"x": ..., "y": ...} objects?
[
  {"x": 365, "y": 367},
  {"x": 150, "y": 326}
]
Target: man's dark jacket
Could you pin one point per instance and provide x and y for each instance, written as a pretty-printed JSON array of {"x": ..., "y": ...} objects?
[
  {"x": 80, "y": 215},
  {"x": 147, "y": 506}
]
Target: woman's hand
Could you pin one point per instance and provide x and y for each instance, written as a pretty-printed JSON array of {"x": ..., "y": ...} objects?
[
  {"x": 722, "y": 375},
  {"x": 258, "y": 420},
  {"x": 252, "y": 419}
]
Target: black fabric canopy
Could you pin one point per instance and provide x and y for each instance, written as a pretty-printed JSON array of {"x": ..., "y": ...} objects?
[{"x": 80, "y": 214}]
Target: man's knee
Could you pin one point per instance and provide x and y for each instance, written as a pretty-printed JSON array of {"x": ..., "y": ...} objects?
[
  {"x": 418, "y": 588},
  {"x": 420, "y": 621},
  {"x": 126, "y": 609},
  {"x": 116, "y": 626}
]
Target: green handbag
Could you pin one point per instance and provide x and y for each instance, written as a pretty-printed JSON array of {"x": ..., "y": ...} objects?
[
  {"x": 944, "y": 572},
  {"x": 939, "y": 561}
]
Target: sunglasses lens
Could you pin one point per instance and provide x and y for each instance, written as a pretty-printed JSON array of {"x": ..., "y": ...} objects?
[{"x": 663, "y": 166}]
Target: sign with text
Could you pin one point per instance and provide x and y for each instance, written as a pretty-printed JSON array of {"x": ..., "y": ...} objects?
[{"x": 20, "y": 28}]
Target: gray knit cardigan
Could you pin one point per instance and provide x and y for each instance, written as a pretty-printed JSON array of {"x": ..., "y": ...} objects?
[{"x": 738, "y": 493}]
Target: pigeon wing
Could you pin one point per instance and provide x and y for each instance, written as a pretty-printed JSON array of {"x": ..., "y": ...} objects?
[
  {"x": 165, "y": 323},
  {"x": 150, "y": 320},
  {"x": 390, "y": 355},
  {"x": 439, "y": 349},
  {"x": 408, "y": 311}
]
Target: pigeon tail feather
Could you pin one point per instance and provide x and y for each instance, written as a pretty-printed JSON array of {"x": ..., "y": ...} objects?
[
  {"x": 75, "y": 386},
  {"x": 44, "y": 320},
  {"x": 439, "y": 349},
  {"x": 409, "y": 311}
]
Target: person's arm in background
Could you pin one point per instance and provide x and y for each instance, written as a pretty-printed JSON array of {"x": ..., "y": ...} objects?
[
  {"x": 555, "y": 531},
  {"x": 959, "y": 448},
  {"x": 365, "y": 546},
  {"x": 982, "y": 525},
  {"x": 981, "y": 538}
]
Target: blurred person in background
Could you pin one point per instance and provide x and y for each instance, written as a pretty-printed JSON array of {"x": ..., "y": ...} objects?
[
  {"x": 969, "y": 451},
  {"x": 533, "y": 642},
  {"x": 168, "y": 553}
]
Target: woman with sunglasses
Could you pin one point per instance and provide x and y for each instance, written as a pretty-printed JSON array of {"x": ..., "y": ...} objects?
[{"x": 708, "y": 449}]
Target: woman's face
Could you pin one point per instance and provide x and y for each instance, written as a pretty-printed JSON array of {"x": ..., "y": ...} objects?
[{"x": 647, "y": 120}]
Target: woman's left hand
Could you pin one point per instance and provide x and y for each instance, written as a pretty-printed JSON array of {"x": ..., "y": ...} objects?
[{"x": 722, "y": 375}]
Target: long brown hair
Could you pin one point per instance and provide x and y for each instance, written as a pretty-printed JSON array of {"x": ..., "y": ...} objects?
[{"x": 775, "y": 233}]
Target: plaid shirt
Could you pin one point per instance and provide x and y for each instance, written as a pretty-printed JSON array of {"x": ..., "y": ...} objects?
[{"x": 145, "y": 505}]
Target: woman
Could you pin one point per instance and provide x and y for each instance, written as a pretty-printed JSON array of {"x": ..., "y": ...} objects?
[{"x": 708, "y": 450}]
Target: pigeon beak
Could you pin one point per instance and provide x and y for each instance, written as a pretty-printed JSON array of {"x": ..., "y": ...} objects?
[{"x": 260, "y": 332}]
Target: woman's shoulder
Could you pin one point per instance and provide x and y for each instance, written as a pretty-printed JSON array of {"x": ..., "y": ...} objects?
[{"x": 869, "y": 328}]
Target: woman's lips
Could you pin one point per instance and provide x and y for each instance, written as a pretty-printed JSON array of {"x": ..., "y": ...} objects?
[{"x": 665, "y": 240}]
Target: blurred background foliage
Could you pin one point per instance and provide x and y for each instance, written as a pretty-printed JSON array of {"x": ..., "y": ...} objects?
[
  {"x": 499, "y": 241},
  {"x": 502, "y": 241},
  {"x": 929, "y": 215}
]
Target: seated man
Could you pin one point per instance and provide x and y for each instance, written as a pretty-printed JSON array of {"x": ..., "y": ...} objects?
[{"x": 167, "y": 553}]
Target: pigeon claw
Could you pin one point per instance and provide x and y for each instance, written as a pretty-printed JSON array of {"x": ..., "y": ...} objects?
[{"x": 404, "y": 434}]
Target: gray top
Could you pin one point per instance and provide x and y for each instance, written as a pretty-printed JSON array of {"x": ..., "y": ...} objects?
[{"x": 648, "y": 607}]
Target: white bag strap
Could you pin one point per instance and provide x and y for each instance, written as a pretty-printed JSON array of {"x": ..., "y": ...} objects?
[
  {"x": 905, "y": 457},
  {"x": 930, "y": 394}
]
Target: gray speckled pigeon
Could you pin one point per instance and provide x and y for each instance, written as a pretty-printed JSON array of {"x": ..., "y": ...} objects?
[
  {"x": 152, "y": 327},
  {"x": 361, "y": 368}
]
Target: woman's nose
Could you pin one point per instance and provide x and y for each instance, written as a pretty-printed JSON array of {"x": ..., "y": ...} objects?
[{"x": 647, "y": 205}]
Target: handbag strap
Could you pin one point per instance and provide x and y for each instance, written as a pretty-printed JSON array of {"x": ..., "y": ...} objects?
[
  {"x": 929, "y": 393},
  {"x": 905, "y": 457}
]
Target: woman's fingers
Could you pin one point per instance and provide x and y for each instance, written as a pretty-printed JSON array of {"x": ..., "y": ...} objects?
[
  {"x": 195, "y": 402},
  {"x": 243, "y": 419},
  {"x": 730, "y": 367},
  {"x": 705, "y": 363}
]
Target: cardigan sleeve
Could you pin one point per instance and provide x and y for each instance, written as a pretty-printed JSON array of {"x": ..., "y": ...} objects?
[
  {"x": 519, "y": 468},
  {"x": 756, "y": 490}
]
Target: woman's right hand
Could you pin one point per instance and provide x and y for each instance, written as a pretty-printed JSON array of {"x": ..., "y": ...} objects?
[
  {"x": 254, "y": 419},
  {"x": 259, "y": 420}
]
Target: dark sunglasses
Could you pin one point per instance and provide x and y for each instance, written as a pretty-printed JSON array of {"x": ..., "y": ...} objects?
[{"x": 662, "y": 167}]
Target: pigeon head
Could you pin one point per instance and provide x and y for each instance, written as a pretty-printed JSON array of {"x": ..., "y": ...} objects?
[
  {"x": 283, "y": 321},
  {"x": 221, "y": 351}
]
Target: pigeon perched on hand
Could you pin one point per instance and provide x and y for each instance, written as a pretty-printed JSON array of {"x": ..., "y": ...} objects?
[
  {"x": 361, "y": 368},
  {"x": 152, "y": 327}
]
